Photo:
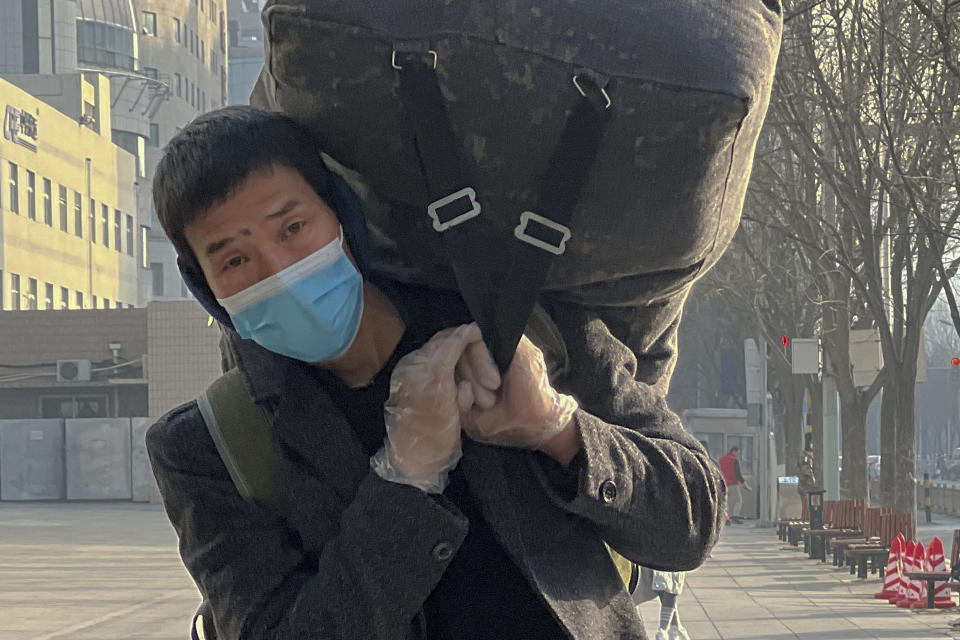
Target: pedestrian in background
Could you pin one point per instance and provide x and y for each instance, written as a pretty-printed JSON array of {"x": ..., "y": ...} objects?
[
  {"x": 733, "y": 477},
  {"x": 667, "y": 586}
]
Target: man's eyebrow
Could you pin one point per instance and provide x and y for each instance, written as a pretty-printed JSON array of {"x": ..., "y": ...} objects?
[{"x": 287, "y": 207}]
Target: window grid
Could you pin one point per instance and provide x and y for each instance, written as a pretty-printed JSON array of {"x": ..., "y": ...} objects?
[
  {"x": 15, "y": 292},
  {"x": 77, "y": 214},
  {"x": 129, "y": 233},
  {"x": 14, "y": 182},
  {"x": 47, "y": 202},
  {"x": 105, "y": 224},
  {"x": 93, "y": 220},
  {"x": 31, "y": 195},
  {"x": 64, "y": 219}
]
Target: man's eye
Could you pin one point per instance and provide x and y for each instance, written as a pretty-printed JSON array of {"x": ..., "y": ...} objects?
[
  {"x": 295, "y": 227},
  {"x": 235, "y": 261}
]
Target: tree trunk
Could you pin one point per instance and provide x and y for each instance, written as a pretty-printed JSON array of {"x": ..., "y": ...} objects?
[
  {"x": 905, "y": 488},
  {"x": 854, "y": 476},
  {"x": 815, "y": 416},
  {"x": 888, "y": 444},
  {"x": 793, "y": 426}
]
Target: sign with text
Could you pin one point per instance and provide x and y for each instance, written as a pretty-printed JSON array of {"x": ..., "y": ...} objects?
[{"x": 20, "y": 127}]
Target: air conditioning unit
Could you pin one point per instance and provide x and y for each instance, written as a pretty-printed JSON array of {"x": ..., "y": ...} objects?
[{"x": 73, "y": 370}]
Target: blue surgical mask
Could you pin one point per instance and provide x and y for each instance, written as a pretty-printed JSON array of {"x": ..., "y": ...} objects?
[{"x": 309, "y": 311}]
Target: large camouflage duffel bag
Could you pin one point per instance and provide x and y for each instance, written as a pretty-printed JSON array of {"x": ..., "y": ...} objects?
[{"x": 688, "y": 83}]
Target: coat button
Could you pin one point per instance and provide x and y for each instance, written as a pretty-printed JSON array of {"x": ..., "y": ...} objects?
[
  {"x": 443, "y": 552},
  {"x": 608, "y": 491}
]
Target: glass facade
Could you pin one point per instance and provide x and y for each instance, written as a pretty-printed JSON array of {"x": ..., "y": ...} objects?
[{"x": 105, "y": 45}]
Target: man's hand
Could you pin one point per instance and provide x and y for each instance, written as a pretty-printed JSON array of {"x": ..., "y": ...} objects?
[
  {"x": 526, "y": 412},
  {"x": 423, "y": 412}
]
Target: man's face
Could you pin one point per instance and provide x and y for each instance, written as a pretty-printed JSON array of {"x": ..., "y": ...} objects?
[{"x": 273, "y": 220}]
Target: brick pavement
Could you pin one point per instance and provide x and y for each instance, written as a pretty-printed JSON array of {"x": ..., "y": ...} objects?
[
  {"x": 755, "y": 587},
  {"x": 110, "y": 571}
]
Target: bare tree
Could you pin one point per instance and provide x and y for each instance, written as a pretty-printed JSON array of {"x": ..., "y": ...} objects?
[{"x": 866, "y": 107}]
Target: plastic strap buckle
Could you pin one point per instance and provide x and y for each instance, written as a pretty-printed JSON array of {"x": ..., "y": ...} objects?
[
  {"x": 454, "y": 209},
  {"x": 542, "y": 233}
]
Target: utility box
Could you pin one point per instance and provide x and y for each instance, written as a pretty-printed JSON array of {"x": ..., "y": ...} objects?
[
  {"x": 789, "y": 502},
  {"x": 31, "y": 460},
  {"x": 141, "y": 475},
  {"x": 98, "y": 459},
  {"x": 722, "y": 429}
]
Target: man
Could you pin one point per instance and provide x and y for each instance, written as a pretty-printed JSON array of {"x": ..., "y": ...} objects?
[
  {"x": 730, "y": 469},
  {"x": 425, "y": 496}
]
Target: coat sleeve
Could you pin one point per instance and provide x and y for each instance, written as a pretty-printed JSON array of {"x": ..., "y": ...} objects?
[
  {"x": 643, "y": 480},
  {"x": 376, "y": 567}
]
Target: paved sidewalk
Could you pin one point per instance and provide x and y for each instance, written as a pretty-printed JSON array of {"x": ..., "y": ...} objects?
[
  {"x": 110, "y": 571},
  {"x": 91, "y": 571},
  {"x": 756, "y": 587}
]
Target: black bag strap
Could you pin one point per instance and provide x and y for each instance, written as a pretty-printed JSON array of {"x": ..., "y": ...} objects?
[
  {"x": 503, "y": 314},
  {"x": 455, "y": 208}
]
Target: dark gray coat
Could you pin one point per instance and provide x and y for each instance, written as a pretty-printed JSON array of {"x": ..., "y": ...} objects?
[{"x": 351, "y": 556}]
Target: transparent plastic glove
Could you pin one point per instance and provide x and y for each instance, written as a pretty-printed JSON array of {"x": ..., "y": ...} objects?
[
  {"x": 528, "y": 411},
  {"x": 422, "y": 413},
  {"x": 477, "y": 367}
]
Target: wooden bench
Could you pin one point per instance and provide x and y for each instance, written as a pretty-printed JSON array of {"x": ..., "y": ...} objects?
[
  {"x": 842, "y": 519},
  {"x": 871, "y": 535},
  {"x": 859, "y": 556}
]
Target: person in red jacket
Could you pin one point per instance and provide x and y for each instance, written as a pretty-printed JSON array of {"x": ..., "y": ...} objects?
[{"x": 730, "y": 469}]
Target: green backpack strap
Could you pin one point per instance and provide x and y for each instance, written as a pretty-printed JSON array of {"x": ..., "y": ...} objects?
[{"x": 243, "y": 436}]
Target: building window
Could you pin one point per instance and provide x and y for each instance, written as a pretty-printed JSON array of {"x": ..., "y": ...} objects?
[
  {"x": 143, "y": 247},
  {"x": 76, "y": 406},
  {"x": 193, "y": 42},
  {"x": 64, "y": 219},
  {"x": 176, "y": 29},
  {"x": 203, "y": 100},
  {"x": 15, "y": 292},
  {"x": 79, "y": 299},
  {"x": 154, "y": 140},
  {"x": 105, "y": 224},
  {"x": 177, "y": 80},
  {"x": 32, "y": 293},
  {"x": 156, "y": 269},
  {"x": 213, "y": 61},
  {"x": 129, "y": 230},
  {"x": 117, "y": 230},
  {"x": 14, "y": 181},
  {"x": 1, "y": 289},
  {"x": 64, "y": 298},
  {"x": 149, "y": 23},
  {"x": 47, "y": 296},
  {"x": 201, "y": 5},
  {"x": 94, "y": 302},
  {"x": 105, "y": 45},
  {"x": 77, "y": 214},
  {"x": 203, "y": 52},
  {"x": 31, "y": 195},
  {"x": 93, "y": 220},
  {"x": 213, "y": 12},
  {"x": 151, "y": 73},
  {"x": 47, "y": 202}
]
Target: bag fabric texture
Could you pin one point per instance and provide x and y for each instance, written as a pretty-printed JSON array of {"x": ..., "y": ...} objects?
[{"x": 689, "y": 83}]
